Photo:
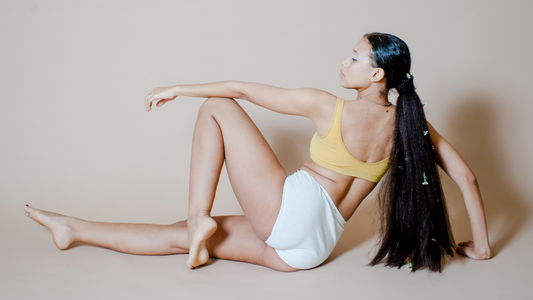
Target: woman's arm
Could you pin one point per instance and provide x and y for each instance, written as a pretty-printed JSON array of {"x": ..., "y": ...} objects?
[
  {"x": 454, "y": 165},
  {"x": 304, "y": 102}
]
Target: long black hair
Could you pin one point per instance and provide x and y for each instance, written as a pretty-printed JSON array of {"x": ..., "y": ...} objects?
[{"x": 415, "y": 227}]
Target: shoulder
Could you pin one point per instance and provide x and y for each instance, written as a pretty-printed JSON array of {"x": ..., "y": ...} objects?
[
  {"x": 321, "y": 104},
  {"x": 321, "y": 109},
  {"x": 311, "y": 103}
]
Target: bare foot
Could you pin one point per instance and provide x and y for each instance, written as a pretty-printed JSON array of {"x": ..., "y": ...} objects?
[
  {"x": 199, "y": 231},
  {"x": 55, "y": 223}
]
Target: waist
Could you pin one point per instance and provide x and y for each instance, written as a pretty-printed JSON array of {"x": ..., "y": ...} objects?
[{"x": 346, "y": 192}]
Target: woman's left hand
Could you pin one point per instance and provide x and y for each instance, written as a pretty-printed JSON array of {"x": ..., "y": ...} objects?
[{"x": 473, "y": 251}]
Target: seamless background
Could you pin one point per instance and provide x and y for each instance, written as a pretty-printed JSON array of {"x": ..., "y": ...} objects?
[{"x": 75, "y": 138}]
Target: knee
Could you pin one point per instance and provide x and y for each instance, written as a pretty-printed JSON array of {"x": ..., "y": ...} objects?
[{"x": 215, "y": 104}]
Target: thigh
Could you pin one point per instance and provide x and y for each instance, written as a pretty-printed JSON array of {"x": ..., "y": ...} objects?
[
  {"x": 235, "y": 239},
  {"x": 254, "y": 171}
]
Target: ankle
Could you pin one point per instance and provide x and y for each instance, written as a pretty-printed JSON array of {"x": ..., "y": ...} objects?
[
  {"x": 73, "y": 227},
  {"x": 195, "y": 216}
]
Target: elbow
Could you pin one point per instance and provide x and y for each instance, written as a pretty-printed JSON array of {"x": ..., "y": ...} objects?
[
  {"x": 239, "y": 89},
  {"x": 471, "y": 178},
  {"x": 467, "y": 177}
]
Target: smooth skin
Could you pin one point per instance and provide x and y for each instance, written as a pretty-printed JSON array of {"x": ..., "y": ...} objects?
[{"x": 224, "y": 133}]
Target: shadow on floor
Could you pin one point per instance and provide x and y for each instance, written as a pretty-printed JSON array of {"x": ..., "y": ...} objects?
[{"x": 474, "y": 132}]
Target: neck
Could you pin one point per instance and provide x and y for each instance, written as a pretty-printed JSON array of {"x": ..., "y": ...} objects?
[{"x": 376, "y": 97}]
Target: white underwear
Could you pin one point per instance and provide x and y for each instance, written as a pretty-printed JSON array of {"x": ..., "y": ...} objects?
[{"x": 308, "y": 224}]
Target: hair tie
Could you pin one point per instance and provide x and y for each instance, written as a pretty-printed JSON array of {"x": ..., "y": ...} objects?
[{"x": 408, "y": 77}]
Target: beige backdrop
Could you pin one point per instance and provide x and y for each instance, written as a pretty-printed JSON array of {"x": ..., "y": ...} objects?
[{"x": 75, "y": 137}]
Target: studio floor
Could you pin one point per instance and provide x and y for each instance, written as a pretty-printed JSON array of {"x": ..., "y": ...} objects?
[{"x": 32, "y": 267}]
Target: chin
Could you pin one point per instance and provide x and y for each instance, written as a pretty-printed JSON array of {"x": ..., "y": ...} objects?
[
  {"x": 345, "y": 86},
  {"x": 342, "y": 84}
]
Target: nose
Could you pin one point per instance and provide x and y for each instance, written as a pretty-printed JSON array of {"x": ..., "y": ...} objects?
[{"x": 345, "y": 61}]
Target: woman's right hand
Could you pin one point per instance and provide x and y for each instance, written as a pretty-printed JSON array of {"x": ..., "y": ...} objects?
[
  {"x": 469, "y": 249},
  {"x": 160, "y": 95}
]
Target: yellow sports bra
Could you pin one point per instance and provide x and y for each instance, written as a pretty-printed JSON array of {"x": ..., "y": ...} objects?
[{"x": 330, "y": 152}]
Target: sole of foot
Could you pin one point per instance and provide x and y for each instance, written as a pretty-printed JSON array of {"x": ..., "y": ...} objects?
[{"x": 198, "y": 254}]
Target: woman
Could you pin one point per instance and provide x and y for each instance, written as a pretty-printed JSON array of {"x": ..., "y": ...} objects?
[{"x": 293, "y": 222}]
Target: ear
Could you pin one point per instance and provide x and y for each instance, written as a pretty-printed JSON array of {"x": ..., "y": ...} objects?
[{"x": 378, "y": 75}]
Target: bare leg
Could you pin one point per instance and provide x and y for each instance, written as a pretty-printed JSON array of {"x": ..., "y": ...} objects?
[
  {"x": 207, "y": 158},
  {"x": 225, "y": 133},
  {"x": 235, "y": 239},
  {"x": 144, "y": 239}
]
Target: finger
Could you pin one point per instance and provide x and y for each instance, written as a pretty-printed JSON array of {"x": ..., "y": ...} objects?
[
  {"x": 160, "y": 103},
  {"x": 149, "y": 101},
  {"x": 149, "y": 96},
  {"x": 468, "y": 252},
  {"x": 467, "y": 243},
  {"x": 146, "y": 100}
]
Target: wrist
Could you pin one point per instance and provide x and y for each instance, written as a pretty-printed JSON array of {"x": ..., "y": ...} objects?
[{"x": 176, "y": 90}]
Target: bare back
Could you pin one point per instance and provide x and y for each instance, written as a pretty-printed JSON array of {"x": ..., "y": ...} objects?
[
  {"x": 367, "y": 134},
  {"x": 367, "y": 130}
]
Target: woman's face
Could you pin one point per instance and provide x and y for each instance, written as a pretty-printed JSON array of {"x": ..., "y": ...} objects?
[{"x": 357, "y": 70}]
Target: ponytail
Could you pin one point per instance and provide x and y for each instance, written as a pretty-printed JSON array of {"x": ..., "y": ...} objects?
[{"x": 414, "y": 228}]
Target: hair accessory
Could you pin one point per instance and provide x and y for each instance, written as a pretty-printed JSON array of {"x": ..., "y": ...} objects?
[
  {"x": 433, "y": 239},
  {"x": 409, "y": 76},
  {"x": 424, "y": 104},
  {"x": 409, "y": 264},
  {"x": 425, "y": 179},
  {"x": 425, "y": 133}
]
